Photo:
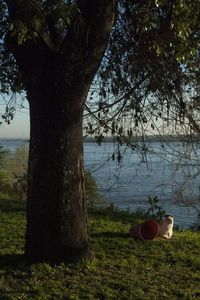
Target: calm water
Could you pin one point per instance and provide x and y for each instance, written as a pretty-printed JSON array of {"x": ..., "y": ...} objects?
[{"x": 129, "y": 184}]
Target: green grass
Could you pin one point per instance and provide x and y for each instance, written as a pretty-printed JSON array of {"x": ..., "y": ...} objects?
[{"x": 123, "y": 268}]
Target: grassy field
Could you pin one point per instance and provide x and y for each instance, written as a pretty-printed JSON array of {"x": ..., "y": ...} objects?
[{"x": 123, "y": 268}]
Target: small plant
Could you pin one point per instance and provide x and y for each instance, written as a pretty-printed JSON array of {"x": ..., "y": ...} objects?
[
  {"x": 155, "y": 211},
  {"x": 91, "y": 190},
  {"x": 16, "y": 168},
  {"x": 4, "y": 182}
]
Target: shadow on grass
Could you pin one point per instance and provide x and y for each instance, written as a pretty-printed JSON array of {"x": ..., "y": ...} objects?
[
  {"x": 12, "y": 205},
  {"x": 108, "y": 234},
  {"x": 13, "y": 261},
  {"x": 116, "y": 215}
]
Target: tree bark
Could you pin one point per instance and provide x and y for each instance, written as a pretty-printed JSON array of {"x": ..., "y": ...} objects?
[{"x": 56, "y": 208}]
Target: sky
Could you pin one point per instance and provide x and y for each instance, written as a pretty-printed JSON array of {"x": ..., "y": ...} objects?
[{"x": 19, "y": 127}]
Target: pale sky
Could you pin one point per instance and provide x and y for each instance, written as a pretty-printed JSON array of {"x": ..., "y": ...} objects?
[{"x": 19, "y": 127}]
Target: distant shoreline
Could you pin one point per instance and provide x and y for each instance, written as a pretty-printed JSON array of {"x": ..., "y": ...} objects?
[
  {"x": 14, "y": 139},
  {"x": 149, "y": 138},
  {"x": 134, "y": 139}
]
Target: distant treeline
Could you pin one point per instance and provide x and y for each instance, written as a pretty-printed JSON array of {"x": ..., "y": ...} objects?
[{"x": 148, "y": 138}]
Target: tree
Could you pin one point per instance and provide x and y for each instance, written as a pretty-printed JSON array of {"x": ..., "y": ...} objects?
[
  {"x": 57, "y": 62},
  {"x": 52, "y": 49}
]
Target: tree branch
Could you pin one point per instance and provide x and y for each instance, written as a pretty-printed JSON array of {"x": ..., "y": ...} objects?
[
  {"x": 13, "y": 7},
  {"x": 88, "y": 34},
  {"x": 17, "y": 11}
]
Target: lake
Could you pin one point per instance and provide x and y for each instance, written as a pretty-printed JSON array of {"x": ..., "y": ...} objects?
[{"x": 161, "y": 171}]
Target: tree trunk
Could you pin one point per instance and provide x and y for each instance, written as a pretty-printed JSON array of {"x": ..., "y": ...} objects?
[
  {"x": 56, "y": 208},
  {"x": 57, "y": 77}
]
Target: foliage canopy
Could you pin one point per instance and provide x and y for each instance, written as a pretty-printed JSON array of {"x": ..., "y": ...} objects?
[
  {"x": 150, "y": 66},
  {"x": 151, "y": 69}
]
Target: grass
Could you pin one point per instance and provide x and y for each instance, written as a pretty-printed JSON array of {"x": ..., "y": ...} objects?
[{"x": 123, "y": 269}]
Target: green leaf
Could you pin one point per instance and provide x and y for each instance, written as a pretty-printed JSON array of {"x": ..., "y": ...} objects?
[{"x": 68, "y": 21}]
